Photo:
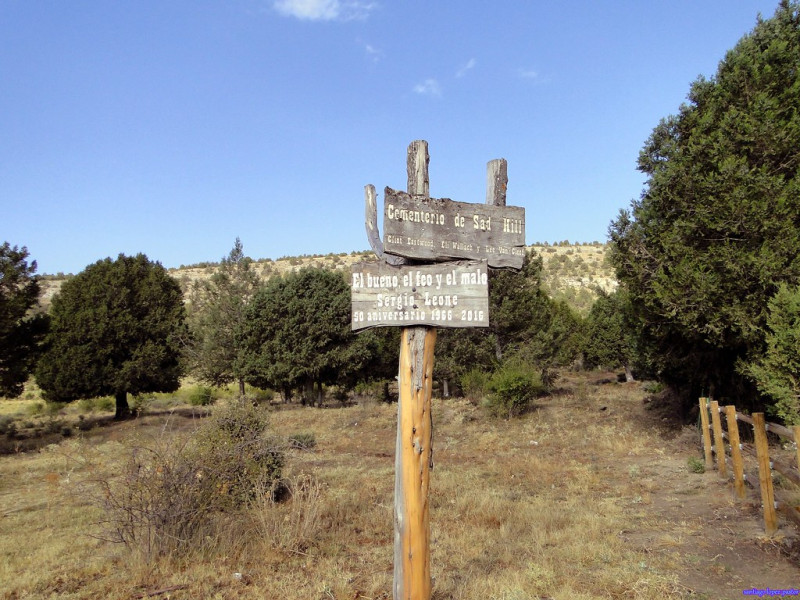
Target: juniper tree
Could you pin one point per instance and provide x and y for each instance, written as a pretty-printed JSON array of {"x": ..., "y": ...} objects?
[
  {"x": 717, "y": 227},
  {"x": 20, "y": 330},
  {"x": 115, "y": 330},
  {"x": 297, "y": 333}
]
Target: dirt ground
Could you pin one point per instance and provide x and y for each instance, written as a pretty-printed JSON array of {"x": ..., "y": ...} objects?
[
  {"x": 716, "y": 542},
  {"x": 676, "y": 522}
]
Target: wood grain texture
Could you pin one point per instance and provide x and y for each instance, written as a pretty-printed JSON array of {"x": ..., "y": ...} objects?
[
  {"x": 440, "y": 229},
  {"x": 496, "y": 181},
  {"x": 716, "y": 425},
  {"x": 414, "y": 451},
  {"x": 736, "y": 453},
  {"x": 765, "y": 474},
  {"x": 371, "y": 226},
  {"x": 413, "y": 460},
  {"x": 704, "y": 424}
]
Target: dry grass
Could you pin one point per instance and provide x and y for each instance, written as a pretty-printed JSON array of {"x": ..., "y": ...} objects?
[{"x": 536, "y": 507}]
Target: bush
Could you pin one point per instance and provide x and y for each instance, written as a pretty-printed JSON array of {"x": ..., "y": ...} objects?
[
  {"x": 258, "y": 395},
  {"x": 201, "y": 396},
  {"x": 34, "y": 409},
  {"x": 475, "y": 384},
  {"x": 696, "y": 465},
  {"x": 513, "y": 389},
  {"x": 234, "y": 452},
  {"x": 104, "y": 404},
  {"x": 169, "y": 497},
  {"x": 302, "y": 441},
  {"x": 7, "y": 425}
]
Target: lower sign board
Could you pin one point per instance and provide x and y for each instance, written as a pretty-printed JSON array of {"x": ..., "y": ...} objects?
[{"x": 452, "y": 294}]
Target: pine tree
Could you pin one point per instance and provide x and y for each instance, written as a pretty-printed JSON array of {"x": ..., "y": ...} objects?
[{"x": 216, "y": 309}]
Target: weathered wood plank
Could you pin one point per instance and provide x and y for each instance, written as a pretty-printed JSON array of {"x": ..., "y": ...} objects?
[
  {"x": 442, "y": 295},
  {"x": 705, "y": 426},
  {"x": 440, "y": 229},
  {"x": 496, "y": 181},
  {"x": 371, "y": 225},
  {"x": 719, "y": 443},
  {"x": 736, "y": 453},
  {"x": 765, "y": 474}
]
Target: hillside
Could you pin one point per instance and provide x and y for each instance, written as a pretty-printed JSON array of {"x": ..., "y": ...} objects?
[{"x": 572, "y": 272}]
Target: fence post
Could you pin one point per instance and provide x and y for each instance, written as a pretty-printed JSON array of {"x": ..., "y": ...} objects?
[
  {"x": 719, "y": 443},
  {"x": 765, "y": 474},
  {"x": 796, "y": 430},
  {"x": 706, "y": 433},
  {"x": 736, "y": 451}
]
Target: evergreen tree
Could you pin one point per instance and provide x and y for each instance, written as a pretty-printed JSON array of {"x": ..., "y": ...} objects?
[
  {"x": 115, "y": 330},
  {"x": 297, "y": 333},
  {"x": 216, "y": 310},
  {"x": 777, "y": 374},
  {"x": 610, "y": 335},
  {"x": 717, "y": 228},
  {"x": 524, "y": 324},
  {"x": 20, "y": 331}
]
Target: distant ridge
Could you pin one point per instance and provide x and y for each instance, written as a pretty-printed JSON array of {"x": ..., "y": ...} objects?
[{"x": 571, "y": 272}]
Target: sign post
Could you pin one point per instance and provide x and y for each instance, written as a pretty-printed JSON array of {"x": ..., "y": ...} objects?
[{"x": 421, "y": 297}]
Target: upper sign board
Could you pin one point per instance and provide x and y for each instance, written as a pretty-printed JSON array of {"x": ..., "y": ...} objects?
[
  {"x": 442, "y": 295},
  {"x": 439, "y": 229}
]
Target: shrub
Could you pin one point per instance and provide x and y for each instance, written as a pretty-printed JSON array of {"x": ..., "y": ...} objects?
[
  {"x": 169, "y": 497},
  {"x": 302, "y": 441},
  {"x": 105, "y": 404},
  {"x": 233, "y": 451},
  {"x": 475, "y": 384},
  {"x": 141, "y": 402},
  {"x": 201, "y": 396},
  {"x": 34, "y": 409},
  {"x": 513, "y": 388},
  {"x": 6, "y": 425},
  {"x": 696, "y": 465},
  {"x": 11, "y": 430},
  {"x": 258, "y": 395}
]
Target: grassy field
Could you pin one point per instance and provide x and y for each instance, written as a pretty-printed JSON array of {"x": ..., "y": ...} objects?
[{"x": 587, "y": 496}]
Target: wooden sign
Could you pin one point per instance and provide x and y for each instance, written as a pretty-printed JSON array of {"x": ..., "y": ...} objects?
[
  {"x": 439, "y": 229},
  {"x": 452, "y": 294}
]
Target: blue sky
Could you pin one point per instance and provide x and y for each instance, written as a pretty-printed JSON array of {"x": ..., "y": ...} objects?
[{"x": 172, "y": 127}]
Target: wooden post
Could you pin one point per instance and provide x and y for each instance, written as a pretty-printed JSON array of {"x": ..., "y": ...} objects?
[
  {"x": 765, "y": 474},
  {"x": 496, "y": 181},
  {"x": 706, "y": 433},
  {"x": 736, "y": 452},
  {"x": 796, "y": 430},
  {"x": 414, "y": 454},
  {"x": 483, "y": 246},
  {"x": 719, "y": 443}
]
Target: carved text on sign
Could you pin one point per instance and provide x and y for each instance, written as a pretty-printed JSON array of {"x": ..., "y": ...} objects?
[
  {"x": 445, "y": 295},
  {"x": 440, "y": 229}
]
